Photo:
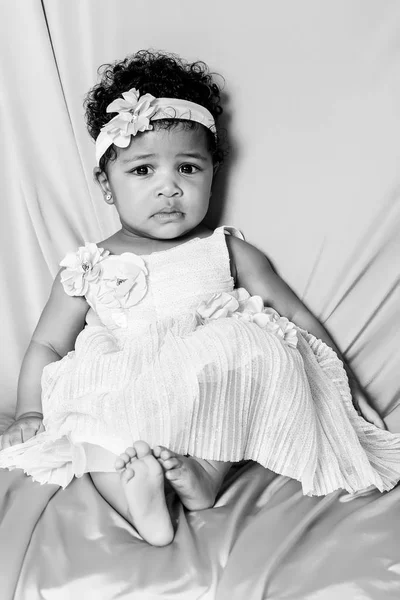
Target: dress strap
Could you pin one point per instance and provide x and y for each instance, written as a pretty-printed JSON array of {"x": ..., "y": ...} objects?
[{"x": 228, "y": 230}]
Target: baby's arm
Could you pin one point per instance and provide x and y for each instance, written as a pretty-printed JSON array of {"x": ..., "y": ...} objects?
[
  {"x": 253, "y": 271},
  {"x": 62, "y": 319}
]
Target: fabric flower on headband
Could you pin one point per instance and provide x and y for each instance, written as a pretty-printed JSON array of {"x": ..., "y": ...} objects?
[
  {"x": 82, "y": 268},
  {"x": 133, "y": 115}
]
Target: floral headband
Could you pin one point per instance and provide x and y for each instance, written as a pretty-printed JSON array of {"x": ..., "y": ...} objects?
[{"x": 135, "y": 113}]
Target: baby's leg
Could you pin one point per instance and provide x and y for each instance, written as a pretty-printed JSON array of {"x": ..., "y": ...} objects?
[
  {"x": 136, "y": 491},
  {"x": 196, "y": 481}
]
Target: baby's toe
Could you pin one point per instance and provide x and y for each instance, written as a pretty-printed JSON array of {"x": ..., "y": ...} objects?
[
  {"x": 157, "y": 451},
  {"x": 131, "y": 452},
  {"x": 127, "y": 474},
  {"x": 174, "y": 474},
  {"x": 119, "y": 463},
  {"x": 142, "y": 449},
  {"x": 172, "y": 463},
  {"x": 125, "y": 458},
  {"x": 167, "y": 454}
]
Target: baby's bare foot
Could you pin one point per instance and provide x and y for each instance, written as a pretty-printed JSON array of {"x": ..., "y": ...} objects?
[
  {"x": 195, "y": 480},
  {"x": 142, "y": 479}
]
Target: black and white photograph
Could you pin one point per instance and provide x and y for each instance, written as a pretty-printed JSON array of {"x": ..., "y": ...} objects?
[{"x": 200, "y": 266}]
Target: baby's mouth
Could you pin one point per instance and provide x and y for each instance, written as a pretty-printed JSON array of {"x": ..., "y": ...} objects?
[{"x": 168, "y": 215}]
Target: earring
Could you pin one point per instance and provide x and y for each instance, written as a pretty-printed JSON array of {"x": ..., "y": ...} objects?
[{"x": 108, "y": 196}]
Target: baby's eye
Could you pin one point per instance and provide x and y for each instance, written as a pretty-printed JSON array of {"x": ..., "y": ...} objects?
[
  {"x": 142, "y": 170},
  {"x": 188, "y": 169}
]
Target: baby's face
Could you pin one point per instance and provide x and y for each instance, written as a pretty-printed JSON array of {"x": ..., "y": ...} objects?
[{"x": 161, "y": 183}]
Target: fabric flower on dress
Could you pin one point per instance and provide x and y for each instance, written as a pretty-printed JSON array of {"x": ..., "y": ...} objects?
[
  {"x": 248, "y": 305},
  {"x": 124, "y": 281},
  {"x": 240, "y": 305},
  {"x": 271, "y": 321},
  {"x": 218, "y": 306},
  {"x": 133, "y": 115},
  {"x": 82, "y": 268}
]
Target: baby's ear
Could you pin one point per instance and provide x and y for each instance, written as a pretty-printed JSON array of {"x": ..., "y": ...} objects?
[
  {"x": 99, "y": 176},
  {"x": 101, "y": 179}
]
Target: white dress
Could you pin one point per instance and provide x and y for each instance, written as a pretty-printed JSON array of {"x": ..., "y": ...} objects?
[{"x": 172, "y": 354}]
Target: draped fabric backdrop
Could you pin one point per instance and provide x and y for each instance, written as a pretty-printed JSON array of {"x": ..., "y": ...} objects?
[{"x": 312, "y": 103}]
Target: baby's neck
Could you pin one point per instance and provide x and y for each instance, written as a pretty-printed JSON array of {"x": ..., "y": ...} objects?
[{"x": 122, "y": 241}]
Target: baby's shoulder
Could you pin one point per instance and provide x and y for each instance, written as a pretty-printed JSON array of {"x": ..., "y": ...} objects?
[
  {"x": 118, "y": 244},
  {"x": 239, "y": 246},
  {"x": 112, "y": 244},
  {"x": 243, "y": 254}
]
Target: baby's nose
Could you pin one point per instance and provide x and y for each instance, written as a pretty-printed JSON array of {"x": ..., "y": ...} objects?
[{"x": 169, "y": 186}]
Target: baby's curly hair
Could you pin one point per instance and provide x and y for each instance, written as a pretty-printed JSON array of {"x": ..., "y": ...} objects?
[{"x": 164, "y": 75}]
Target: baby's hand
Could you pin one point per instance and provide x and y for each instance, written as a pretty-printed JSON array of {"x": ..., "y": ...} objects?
[
  {"x": 22, "y": 430},
  {"x": 366, "y": 410}
]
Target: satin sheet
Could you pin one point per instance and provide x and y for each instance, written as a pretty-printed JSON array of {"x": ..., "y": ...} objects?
[
  {"x": 263, "y": 539},
  {"x": 312, "y": 178}
]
